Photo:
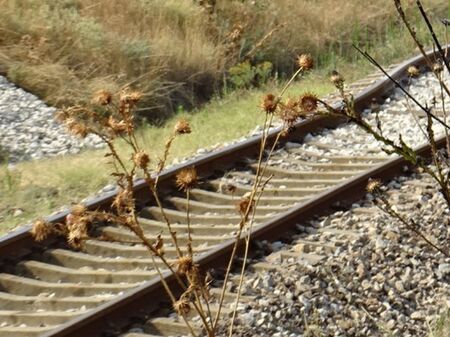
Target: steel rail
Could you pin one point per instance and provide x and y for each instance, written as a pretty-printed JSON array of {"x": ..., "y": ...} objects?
[{"x": 117, "y": 313}]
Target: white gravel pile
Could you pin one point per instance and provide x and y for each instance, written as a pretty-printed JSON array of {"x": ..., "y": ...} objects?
[{"x": 28, "y": 129}]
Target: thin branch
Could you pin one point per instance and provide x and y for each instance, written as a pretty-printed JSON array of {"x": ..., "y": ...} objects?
[
  {"x": 398, "y": 85},
  {"x": 435, "y": 39}
]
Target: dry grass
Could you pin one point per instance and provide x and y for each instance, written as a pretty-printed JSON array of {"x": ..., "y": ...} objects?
[
  {"x": 171, "y": 49},
  {"x": 65, "y": 50}
]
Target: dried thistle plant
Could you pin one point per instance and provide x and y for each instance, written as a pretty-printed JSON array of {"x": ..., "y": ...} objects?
[{"x": 111, "y": 117}]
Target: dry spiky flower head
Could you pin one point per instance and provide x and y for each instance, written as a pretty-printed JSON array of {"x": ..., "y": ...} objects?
[
  {"x": 438, "y": 68},
  {"x": 373, "y": 185},
  {"x": 289, "y": 113},
  {"x": 305, "y": 61},
  {"x": 413, "y": 71},
  {"x": 182, "y": 127},
  {"x": 308, "y": 102},
  {"x": 245, "y": 205},
  {"x": 102, "y": 97},
  {"x": 337, "y": 79},
  {"x": 182, "y": 306},
  {"x": 78, "y": 232},
  {"x": 186, "y": 178},
  {"x": 270, "y": 103},
  {"x": 141, "y": 159},
  {"x": 76, "y": 127},
  {"x": 41, "y": 230},
  {"x": 78, "y": 210},
  {"x": 184, "y": 264},
  {"x": 123, "y": 201},
  {"x": 130, "y": 97},
  {"x": 117, "y": 127}
]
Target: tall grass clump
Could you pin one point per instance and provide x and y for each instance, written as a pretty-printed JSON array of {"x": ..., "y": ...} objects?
[
  {"x": 181, "y": 52},
  {"x": 64, "y": 50}
]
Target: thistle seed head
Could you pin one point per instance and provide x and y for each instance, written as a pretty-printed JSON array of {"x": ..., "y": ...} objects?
[
  {"x": 337, "y": 79},
  {"x": 117, "y": 127},
  {"x": 130, "y": 97},
  {"x": 182, "y": 127},
  {"x": 308, "y": 102},
  {"x": 438, "y": 68},
  {"x": 78, "y": 231},
  {"x": 78, "y": 210},
  {"x": 182, "y": 306},
  {"x": 289, "y": 112},
  {"x": 305, "y": 61},
  {"x": 141, "y": 159},
  {"x": 41, "y": 230},
  {"x": 413, "y": 71},
  {"x": 76, "y": 128},
  {"x": 270, "y": 103},
  {"x": 102, "y": 97},
  {"x": 373, "y": 185},
  {"x": 123, "y": 201},
  {"x": 186, "y": 178},
  {"x": 184, "y": 265}
]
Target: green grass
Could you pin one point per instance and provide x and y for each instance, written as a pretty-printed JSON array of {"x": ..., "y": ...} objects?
[{"x": 442, "y": 326}]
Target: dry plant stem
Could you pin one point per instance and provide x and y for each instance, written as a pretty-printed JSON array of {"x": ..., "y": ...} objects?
[
  {"x": 398, "y": 85},
  {"x": 188, "y": 219},
  {"x": 190, "y": 253},
  {"x": 404, "y": 151},
  {"x": 241, "y": 223},
  {"x": 433, "y": 35},
  {"x": 288, "y": 84},
  {"x": 411, "y": 31},
  {"x": 148, "y": 244},
  {"x": 112, "y": 148},
  {"x": 443, "y": 181},
  {"x": 162, "y": 164},
  {"x": 251, "y": 222},
  {"x": 244, "y": 263},
  {"x": 446, "y": 40},
  {"x": 416, "y": 161},
  {"x": 444, "y": 110},
  {"x": 251, "y": 200},
  {"x": 408, "y": 106},
  {"x": 410, "y": 225},
  {"x": 154, "y": 191},
  {"x": 140, "y": 234}
]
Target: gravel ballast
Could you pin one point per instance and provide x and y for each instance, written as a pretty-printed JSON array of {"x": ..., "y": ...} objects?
[
  {"x": 381, "y": 280},
  {"x": 28, "y": 129}
]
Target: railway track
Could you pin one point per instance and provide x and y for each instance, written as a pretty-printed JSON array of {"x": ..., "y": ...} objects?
[{"x": 48, "y": 289}]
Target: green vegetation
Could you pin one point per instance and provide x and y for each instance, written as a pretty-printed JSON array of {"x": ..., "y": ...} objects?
[{"x": 442, "y": 326}]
